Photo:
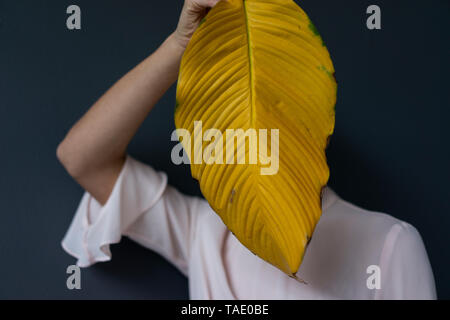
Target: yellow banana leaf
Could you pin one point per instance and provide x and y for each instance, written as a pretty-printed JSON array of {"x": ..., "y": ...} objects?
[{"x": 259, "y": 64}]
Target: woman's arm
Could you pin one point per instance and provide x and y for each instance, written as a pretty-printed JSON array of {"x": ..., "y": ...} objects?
[{"x": 93, "y": 152}]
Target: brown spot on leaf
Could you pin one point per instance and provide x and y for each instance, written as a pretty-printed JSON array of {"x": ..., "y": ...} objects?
[
  {"x": 328, "y": 141},
  {"x": 233, "y": 192}
]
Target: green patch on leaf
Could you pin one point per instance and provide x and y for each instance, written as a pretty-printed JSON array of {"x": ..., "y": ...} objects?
[
  {"x": 176, "y": 105},
  {"x": 331, "y": 75},
  {"x": 314, "y": 30},
  {"x": 202, "y": 21}
]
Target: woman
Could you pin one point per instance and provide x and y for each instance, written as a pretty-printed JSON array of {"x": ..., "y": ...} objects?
[{"x": 354, "y": 254}]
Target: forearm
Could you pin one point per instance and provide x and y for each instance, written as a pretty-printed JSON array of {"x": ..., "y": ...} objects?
[
  {"x": 98, "y": 141},
  {"x": 93, "y": 151}
]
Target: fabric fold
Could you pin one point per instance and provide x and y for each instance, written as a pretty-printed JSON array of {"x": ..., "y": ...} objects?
[{"x": 95, "y": 227}]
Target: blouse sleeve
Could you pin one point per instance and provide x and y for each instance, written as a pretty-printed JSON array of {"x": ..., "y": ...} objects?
[
  {"x": 141, "y": 206},
  {"x": 405, "y": 269}
]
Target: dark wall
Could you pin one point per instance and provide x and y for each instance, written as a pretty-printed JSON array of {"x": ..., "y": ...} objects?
[{"x": 390, "y": 151}]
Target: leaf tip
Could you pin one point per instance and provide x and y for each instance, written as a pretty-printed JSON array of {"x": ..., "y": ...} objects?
[{"x": 300, "y": 280}]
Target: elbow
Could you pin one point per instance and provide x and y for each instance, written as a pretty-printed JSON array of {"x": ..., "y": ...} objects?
[{"x": 65, "y": 155}]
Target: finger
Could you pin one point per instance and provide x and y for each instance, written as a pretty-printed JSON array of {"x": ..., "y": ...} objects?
[
  {"x": 205, "y": 3},
  {"x": 212, "y": 3}
]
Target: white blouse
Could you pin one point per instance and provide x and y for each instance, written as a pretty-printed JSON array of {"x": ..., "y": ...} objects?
[{"x": 351, "y": 250}]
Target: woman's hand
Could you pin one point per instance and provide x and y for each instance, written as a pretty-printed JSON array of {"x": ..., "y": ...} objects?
[{"x": 193, "y": 12}]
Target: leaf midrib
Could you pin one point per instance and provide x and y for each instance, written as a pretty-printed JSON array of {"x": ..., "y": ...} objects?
[{"x": 250, "y": 61}]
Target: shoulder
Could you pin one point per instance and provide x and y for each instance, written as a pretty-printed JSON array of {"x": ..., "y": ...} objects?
[
  {"x": 377, "y": 236},
  {"x": 366, "y": 223},
  {"x": 371, "y": 237},
  {"x": 348, "y": 239},
  {"x": 395, "y": 246},
  {"x": 392, "y": 235}
]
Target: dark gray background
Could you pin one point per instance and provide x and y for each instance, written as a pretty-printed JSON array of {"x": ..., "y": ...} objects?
[{"x": 389, "y": 153}]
